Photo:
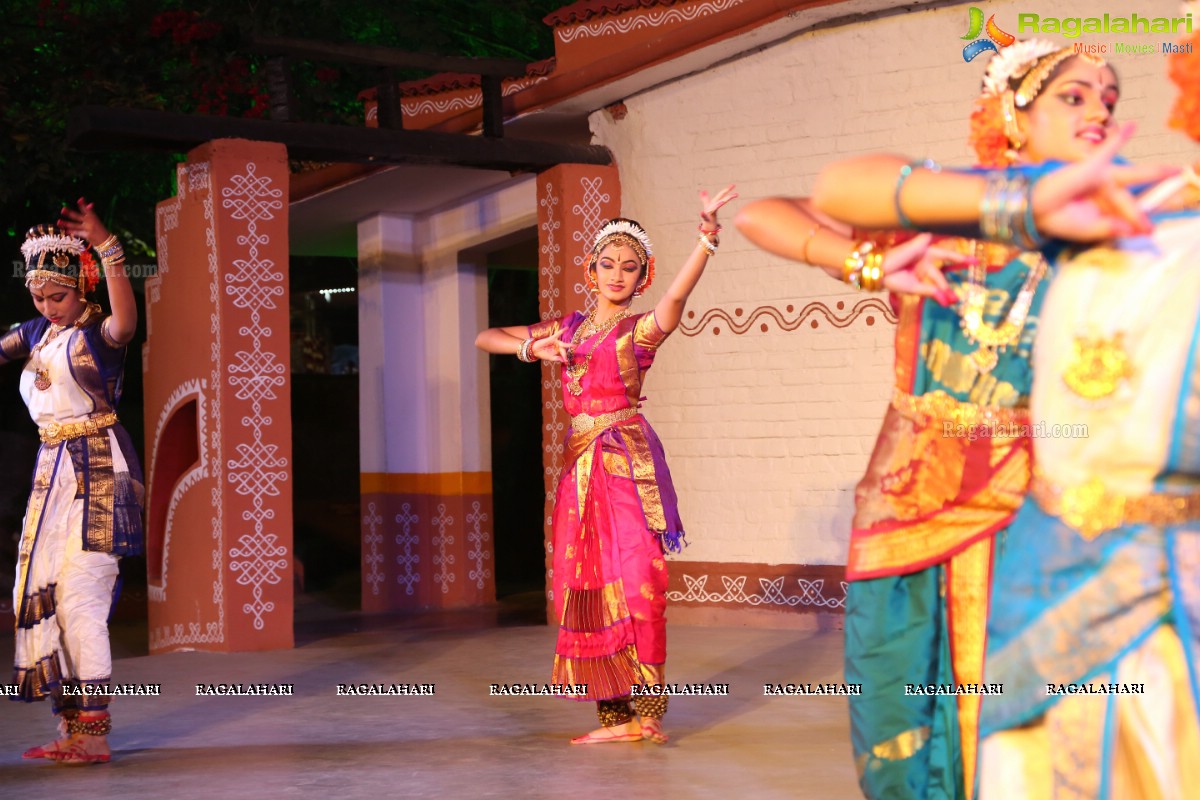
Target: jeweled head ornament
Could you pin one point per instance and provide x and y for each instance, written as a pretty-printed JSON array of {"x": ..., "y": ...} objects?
[
  {"x": 628, "y": 233},
  {"x": 54, "y": 256},
  {"x": 994, "y": 132}
]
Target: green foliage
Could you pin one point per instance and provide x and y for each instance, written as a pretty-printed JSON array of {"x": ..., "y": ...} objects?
[{"x": 191, "y": 58}]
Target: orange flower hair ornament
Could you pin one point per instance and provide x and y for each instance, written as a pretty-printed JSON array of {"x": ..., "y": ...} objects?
[
  {"x": 625, "y": 232},
  {"x": 89, "y": 273},
  {"x": 1183, "y": 66}
]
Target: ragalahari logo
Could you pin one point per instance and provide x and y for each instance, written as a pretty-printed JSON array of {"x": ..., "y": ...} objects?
[{"x": 995, "y": 40}]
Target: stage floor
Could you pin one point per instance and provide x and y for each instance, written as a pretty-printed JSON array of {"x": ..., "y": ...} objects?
[{"x": 460, "y": 742}]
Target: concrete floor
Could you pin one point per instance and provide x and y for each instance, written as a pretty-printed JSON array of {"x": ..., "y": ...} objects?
[{"x": 460, "y": 743}]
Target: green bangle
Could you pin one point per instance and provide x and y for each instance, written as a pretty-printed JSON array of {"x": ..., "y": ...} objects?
[{"x": 905, "y": 171}]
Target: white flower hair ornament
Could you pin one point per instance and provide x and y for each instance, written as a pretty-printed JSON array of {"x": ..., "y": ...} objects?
[
  {"x": 46, "y": 239},
  {"x": 1015, "y": 61},
  {"x": 627, "y": 227}
]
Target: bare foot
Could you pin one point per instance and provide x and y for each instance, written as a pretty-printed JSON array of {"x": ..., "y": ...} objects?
[
  {"x": 652, "y": 730},
  {"x": 82, "y": 748},
  {"x": 626, "y": 732}
]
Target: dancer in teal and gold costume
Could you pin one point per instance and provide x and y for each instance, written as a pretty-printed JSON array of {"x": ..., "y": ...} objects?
[
  {"x": 952, "y": 461},
  {"x": 1093, "y": 626}
]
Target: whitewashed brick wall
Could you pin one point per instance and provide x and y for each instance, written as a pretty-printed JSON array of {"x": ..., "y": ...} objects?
[{"x": 767, "y": 433}]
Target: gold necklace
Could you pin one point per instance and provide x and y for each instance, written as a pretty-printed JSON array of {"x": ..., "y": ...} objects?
[
  {"x": 990, "y": 337},
  {"x": 587, "y": 329},
  {"x": 41, "y": 375}
]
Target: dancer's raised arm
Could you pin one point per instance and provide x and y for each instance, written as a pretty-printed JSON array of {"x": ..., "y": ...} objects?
[
  {"x": 1085, "y": 201},
  {"x": 669, "y": 310}
]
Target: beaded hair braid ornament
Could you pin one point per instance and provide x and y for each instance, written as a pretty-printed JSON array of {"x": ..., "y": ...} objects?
[
  {"x": 994, "y": 132},
  {"x": 630, "y": 234},
  {"x": 54, "y": 256}
]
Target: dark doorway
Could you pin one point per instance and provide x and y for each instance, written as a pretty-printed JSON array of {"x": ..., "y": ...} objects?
[
  {"x": 518, "y": 493},
  {"x": 325, "y": 464}
]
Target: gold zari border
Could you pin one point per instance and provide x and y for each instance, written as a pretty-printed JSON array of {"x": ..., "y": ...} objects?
[
  {"x": 930, "y": 539},
  {"x": 938, "y": 406},
  {"x": 582, "y": 423},
  {"x": 1091, "y": 509}
]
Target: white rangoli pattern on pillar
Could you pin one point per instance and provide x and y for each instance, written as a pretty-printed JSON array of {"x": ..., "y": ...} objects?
[
  {"x": 442, "y": 559},
  {"x": 476, "y": 538},
  {"x": 552, "y": 438},
  {"x": 374, "y": 538},
  {"x": 256, "y": 284},
  {"x": 590, "y": 211},
  {"x": 407, "y": 539}
]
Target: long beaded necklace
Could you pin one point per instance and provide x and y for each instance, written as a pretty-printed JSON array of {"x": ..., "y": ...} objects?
[
  {"x": 992, "y": 337},
  {"x": 577, "y": 368},
  {"x": 41, "y": 374}
]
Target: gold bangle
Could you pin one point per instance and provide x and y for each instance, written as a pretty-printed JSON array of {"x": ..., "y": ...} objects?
[
  {"x": 852, "y": 267},
  {"x": 872, "y": 272},
  {"x": 863, "y": 268}
]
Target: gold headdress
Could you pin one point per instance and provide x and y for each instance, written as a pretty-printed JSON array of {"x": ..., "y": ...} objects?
[{"x": 54, "y": 256}]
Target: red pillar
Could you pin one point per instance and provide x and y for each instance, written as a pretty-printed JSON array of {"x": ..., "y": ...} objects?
[{"x": 218, "y": 406}]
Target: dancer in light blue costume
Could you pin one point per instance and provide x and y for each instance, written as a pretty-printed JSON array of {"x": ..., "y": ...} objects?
[{"x": 1099, "y": 579}]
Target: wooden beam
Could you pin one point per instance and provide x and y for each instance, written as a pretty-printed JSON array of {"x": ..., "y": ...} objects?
[
  {"x": 99, "y": 128},
  {"x": 389, "y": 109},
  {"x": 493, "y": 106},
  {"x": 376, "y": 56},
  {"x": 279, "y": 89}
]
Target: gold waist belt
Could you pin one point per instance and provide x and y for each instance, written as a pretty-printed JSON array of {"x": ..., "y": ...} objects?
[
  {"x": 938, "y": 406},
  {"x": 56, "y": 432},
  {"x": 1092, "y": 509},
  {"x": 582, "y": 423}
]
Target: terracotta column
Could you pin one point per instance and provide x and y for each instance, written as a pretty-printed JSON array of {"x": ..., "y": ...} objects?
[{"x": 218, "y": 406}]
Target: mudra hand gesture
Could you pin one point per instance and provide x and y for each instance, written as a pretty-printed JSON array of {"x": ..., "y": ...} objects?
[
  {"x": 551, "y": 348},
  {"x": 83, "y": 222},
  {"x": 709, "y": 206},
  {"x": 1090, "y": 200},
  {"x": 915, "y": 267}
]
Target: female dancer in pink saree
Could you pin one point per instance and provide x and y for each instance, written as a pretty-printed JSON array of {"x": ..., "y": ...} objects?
[{"x": 615, "y": 510}]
